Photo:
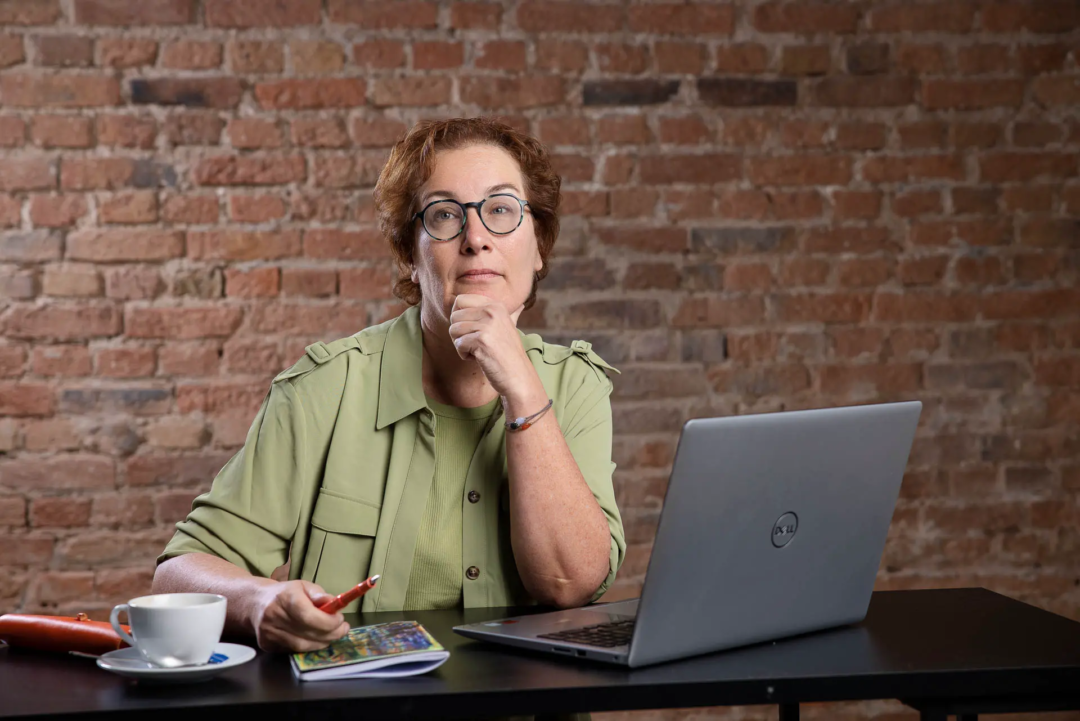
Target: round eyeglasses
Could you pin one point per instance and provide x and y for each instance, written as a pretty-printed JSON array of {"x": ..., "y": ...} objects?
[{"x": 445, "y": 219}]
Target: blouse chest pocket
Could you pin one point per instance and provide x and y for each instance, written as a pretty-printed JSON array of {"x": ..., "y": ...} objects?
[{"x": 339, "y": 549}]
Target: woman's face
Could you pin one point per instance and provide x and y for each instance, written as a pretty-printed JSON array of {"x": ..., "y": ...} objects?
[{"x": 477, "y": 261}]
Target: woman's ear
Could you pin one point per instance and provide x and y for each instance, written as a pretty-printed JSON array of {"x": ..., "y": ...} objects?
[{"x": 413, "y": 276}]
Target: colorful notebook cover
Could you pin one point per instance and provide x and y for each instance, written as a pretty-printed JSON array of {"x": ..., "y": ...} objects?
[{"x": 400, "y": 648}]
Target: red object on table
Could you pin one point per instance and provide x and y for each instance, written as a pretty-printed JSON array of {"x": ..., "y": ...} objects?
[
  {"x": 60, "y": 633},
  {"x": 344, "y": 599}
]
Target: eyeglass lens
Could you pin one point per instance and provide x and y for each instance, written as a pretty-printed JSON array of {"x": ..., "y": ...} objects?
[{"x": 445, "y": 219}]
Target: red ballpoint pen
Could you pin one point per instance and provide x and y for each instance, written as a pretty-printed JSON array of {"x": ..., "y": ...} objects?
[{"x": 344, "y": 599}]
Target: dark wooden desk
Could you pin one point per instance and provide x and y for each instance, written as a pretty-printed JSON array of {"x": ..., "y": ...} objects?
[{"x": 928, "y": 648}]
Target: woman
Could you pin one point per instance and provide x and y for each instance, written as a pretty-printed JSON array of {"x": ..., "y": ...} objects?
[{"x": 395, "y": 451}]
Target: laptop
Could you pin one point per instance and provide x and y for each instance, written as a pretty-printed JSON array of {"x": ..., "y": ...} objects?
[{"x": 773, "y": 525}]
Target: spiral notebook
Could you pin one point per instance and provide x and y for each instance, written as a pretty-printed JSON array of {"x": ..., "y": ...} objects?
[{"x": 385, "y": 650}]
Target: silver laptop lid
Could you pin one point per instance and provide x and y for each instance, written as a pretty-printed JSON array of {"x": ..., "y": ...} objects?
[{"x": 772, "y": 525}]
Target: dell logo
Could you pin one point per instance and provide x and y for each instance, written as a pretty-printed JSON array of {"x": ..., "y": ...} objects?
[{"x": 784, "y": 529}]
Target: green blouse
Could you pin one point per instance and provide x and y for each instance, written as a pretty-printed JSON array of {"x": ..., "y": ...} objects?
[{"x": 338, "y": 466}]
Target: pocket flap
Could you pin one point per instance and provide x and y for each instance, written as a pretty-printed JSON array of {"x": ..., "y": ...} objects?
[{"x": 340, "y": 514}]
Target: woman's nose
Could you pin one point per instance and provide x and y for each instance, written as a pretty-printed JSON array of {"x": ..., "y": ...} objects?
[{"x": 476, "y": 233}]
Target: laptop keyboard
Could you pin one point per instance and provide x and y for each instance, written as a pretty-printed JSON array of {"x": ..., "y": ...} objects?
[{"x": 604, "y": 635}]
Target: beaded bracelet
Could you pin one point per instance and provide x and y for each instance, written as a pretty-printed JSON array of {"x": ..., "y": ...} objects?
[{"x": 524, "y": 422}]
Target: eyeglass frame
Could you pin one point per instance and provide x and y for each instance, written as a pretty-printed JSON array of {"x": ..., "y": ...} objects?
[{"x": 479, "y": 206}]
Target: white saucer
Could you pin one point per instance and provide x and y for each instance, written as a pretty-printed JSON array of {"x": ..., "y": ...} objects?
[{"x": 128, "y": 663}]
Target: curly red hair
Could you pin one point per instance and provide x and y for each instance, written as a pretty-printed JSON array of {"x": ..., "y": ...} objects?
[{"x": 411, "y": 163}]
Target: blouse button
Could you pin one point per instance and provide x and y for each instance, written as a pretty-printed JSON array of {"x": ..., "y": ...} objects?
[
  {"x": 472, "y": 573},
  {"x": 474, "y": 497}
]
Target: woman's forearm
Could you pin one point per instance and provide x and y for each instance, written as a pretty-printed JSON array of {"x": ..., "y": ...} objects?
[
  {"x": 203, "y": 573},
  {"x": 558, "y": 531}
]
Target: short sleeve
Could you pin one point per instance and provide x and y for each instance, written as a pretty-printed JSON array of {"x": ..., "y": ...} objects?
[
  {"x": 588, "y": 435},
  {"x": 251, "y": 511}
]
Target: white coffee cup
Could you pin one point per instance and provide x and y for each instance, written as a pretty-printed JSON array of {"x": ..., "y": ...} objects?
[{"x": 173, "y": 629}]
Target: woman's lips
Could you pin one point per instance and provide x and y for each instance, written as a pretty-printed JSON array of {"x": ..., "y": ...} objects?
[{"x": 480, "y": 275}]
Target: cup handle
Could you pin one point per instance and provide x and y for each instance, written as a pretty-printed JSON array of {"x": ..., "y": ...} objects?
[{"x": 113, "y": 619}]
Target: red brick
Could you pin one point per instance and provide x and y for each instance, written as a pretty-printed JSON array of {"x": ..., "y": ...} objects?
[
  {"x": 319, "y": 133},
  {"x": 1028, "y": 198},
  {"x": 805, "y": 60},
  {"x": 916, "y": 202},
  {"x": 926, "y": 270},
  {"x": 978, "y": 201},
  {"x": 442, "y": 55},
  {"x": 191, "y": 55},
  {"x": 971, "y": 232},
  {"x": 120, "y": 583},
  {"x": 127, "y": 131},
  {"x": 688, "y": 19},
  {"x": 123, "y": 244},
  {"x": 35, "y": 246},
  {"x": 63, "y": 322},
  {"x": 262, "y": 13},
  {"x": 125, "y": 362},
  {"x": 373, "y": 283},
  {"x": 96, "y": 173},
  {"x": 346, "y": 171},
  {"x": 384, "y": 16},
  {"x": 747, "y": 276},
  {"x": 743, "y": 205},
  {"x": 513, "y": 92},
  {"x": 123, "y": 13},
  {"x": 823, "y": 308},
  {"x": 1023, "y": 167},
  {"x": 181, "y": 323},
  {"x": 983, "y": 59},
  {"x": 60, "y": 512},
  {"x": 761, "y": 380},
  {"x": 256, "y": 56},
  {"x": 65, "y": 472},
  {"x": 804, "y": 134},
  {"x": 1037, "y": 59},
  {"x": 978, "y": 271},
  {"x": 26, "y": 399},
  {"x": 805, "y": 17},
  {"x": 30, "y": 12},
  {"x": 1051, "y": 90},
  {"x": 925, "y": 307},
  {"x": 73, "y": 280},
  {"x": 256, "y": 208},
  {"x": 383, "y": 54},
  {"x": 27, "y": 174},
  {"x": 919, "y": 58},
  {"x": 311, "y": 94},
  {"x": 741, "y": 59},
  {"x": 10, "y": 212},
  {"x": 61, "y": 360},
  {"x": 873, "y": 379},
  {"x": 12, "y": 360},
  {"x": 856, "y": 204},
  {"x": 190, "y": 208},
  {"x": 652, "y": 276},
  {"x": 688, "y": 130},
  {"x": 949, "y": 17},
  {"x": 623, "y": 129},
  {"x": 860, "y": 136},
  {"x": 796, "y": 205},
  {"x": 377, "y": 132},
  {"x": 564, "y": 56},
  {"x": 971, "y": 94},
  {"x": 129, "y": 208},
  {"x": 26, "y": 550},
  {"x": 650, "y": 240},
  {"x": 863, "y": 272},
  {"x": 706, "y": 312},
  {"x": 316, "y": 57},
  {"x": 705, "y": 169},
  {"x": 261, "y": 170},
  {"x": 12, "y": 131},
  {"x": 254, "y": 283},
  {"x": 127, "y": 52},
  {"x": 893, "y": 168},
  {"x": 475, "y": 15},
  {"x": 800, "y": 170},
  {"x": 11, "y": 51},
  {"x": 624, "y": 203},
  {"x": 679, "y": 57},
  {"x": 247, "y": 133},
  {"x": 61, "y": 131},
  {"x": 195, "y": 128},
  {"x": 332, "y": 244},
  {"x": 747, "y": 132},
  {"x": 865, "y": 92},
  {"x": 56, "y": 211},
  {"x": 569, "y": 17},
  {"x": 190, "y": 359},
  {"x": 243, "y": 245},
  {"x": 59, "y": 91},
  {"x": 1041, "y": 17},
  {"x": 12, "y": 511}
]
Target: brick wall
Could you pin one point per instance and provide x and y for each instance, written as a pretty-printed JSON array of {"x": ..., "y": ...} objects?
[{"x": 768, "y": 205}]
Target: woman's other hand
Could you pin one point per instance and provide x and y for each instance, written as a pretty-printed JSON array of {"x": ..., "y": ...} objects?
[
  {"x": 484, "y": 331},
  {"x": 287, "y": 618}
]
